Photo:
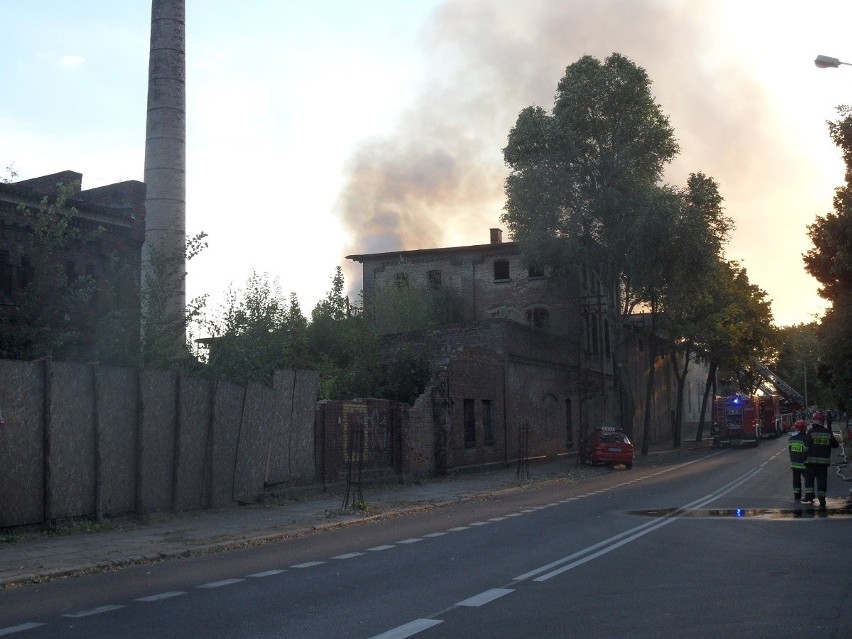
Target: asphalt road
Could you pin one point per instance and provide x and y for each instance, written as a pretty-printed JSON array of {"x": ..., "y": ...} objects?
[{"x": 704, "y": 548}]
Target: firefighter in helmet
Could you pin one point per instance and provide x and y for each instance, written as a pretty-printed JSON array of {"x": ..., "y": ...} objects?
[
  {"x": 819, "y": 441},
  {"x": 798, "y": 454}
]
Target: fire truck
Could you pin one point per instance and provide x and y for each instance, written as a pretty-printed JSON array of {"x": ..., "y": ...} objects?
[{"x": 736, "y": 420}]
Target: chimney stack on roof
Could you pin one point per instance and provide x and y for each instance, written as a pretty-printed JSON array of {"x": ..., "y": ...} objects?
[{"x": 496, "y": 236}]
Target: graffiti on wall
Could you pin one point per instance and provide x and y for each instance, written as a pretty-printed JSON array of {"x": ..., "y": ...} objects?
[{"x": 367, "y": 433}]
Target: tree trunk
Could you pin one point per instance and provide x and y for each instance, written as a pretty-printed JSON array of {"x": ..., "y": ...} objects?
[
  {"x": 649, "y": 385},
  {"x": 711, "y": 376},
  {"x": 681, "y": 378}
]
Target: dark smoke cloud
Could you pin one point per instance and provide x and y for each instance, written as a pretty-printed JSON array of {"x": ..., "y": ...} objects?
[{"x": 437, "y": 179}]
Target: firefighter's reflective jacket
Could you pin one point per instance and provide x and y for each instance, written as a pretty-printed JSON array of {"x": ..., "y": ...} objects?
[
  {"x": 820, "y": 441},
  {"x": 798, "y": 450}
]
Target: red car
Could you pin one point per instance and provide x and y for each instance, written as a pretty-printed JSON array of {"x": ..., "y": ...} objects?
[{"x": 607, "y": 445}]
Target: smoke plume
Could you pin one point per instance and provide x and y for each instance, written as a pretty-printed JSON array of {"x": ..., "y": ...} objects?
[{"x": 437, "y": 179}]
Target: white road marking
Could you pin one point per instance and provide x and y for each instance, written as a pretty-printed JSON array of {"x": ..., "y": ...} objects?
[
  {"x": 378, "y": 548},
  {"x": 10, "y": 630},
  {"x": 308, "y": 564},
  {"x": 607, "y": 545},
  {"x": 93, "y": 611},
  {"x": 409, "y": 629},
  {"x": 459, "y": 528},
  {"x": 162, "y": 595},
  {"x": 484, "y": 597},
  {"x": 348, "y": 555},
  {"x": 410, "y": 541},
  {"x": 267, "y": 573},
  {"x": 436, "y": 534},
  {"x": 480, "y": 523},
  {"x": 219, "y": 584}
]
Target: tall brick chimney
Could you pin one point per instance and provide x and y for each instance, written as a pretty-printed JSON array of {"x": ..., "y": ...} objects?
[
  {"x": 165, "y": 145},
  {"x": 496, "y": 236}
]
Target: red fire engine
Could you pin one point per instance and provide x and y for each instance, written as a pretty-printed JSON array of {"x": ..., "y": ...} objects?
[{"x": 736, "y": 420}]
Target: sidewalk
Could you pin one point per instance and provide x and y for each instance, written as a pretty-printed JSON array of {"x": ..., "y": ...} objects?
[{"x": 89, "y": 547}]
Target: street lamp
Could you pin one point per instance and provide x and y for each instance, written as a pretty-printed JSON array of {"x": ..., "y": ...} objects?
[{"x": 826, "y": 62}]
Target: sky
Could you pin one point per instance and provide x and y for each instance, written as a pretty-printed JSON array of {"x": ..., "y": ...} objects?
[{"x": 318, "y": 129}]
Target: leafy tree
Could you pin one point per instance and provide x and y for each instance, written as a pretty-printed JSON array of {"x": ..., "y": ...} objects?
[
  {"x": 830, "y": 262},
  {"x": 681, "y": 242},
  {"x": 166, "y": 338},
  {"x": 255, "y": 334},
  {"x": 117, "y": 323},
  {"x": 690, "y": 257},
  {"x": 582, "y": 176},
  {"x": 733, "y": 328},
  {"x": 798, "y": 361},
  {"x": 55, "y": 312}
]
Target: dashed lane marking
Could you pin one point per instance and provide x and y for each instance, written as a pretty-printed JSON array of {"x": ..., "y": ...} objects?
[
  {"x": 409, "y": 629},
  {"x": 380, "y": 548},
  {"x": 267, "y": 573},
  {"x": 348, "y": 555},
  {"x": 308, "y": 564},
  {"x": 161, "y": 596},
  {"x": 484, "y": 597},
  {"x": 11, "y": 630},
  {"x": 93, "y": 611},
  {"x": 219, "y": 584},
  {"x": 413, "y": 540}
]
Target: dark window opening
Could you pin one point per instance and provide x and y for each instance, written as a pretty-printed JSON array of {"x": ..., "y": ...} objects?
[
  {"x": 501, "y": 270},
  {"x": 401, "y": 280},
  {"x": 5, "y": 273},
  {"x": 535, "y": 271},
  {"x": 538, "y": 317},
  {"x": 488, "y": 421},
  {"x": 569, "y": 425},
  {"x": 469, "y": 424},
  {"x": 434, "y": 279},
  {"x": 595, "y": 344}
]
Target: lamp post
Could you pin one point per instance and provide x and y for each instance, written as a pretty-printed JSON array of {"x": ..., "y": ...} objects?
[{"x": 827, "y": 62}]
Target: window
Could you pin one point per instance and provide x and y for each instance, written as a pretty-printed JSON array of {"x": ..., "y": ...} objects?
[
  {"x": 538, "y": 317},
  {"x": 569, "y": 425},
  {"x": 5, "y": 273},
  {"x": 488, "y": 421},
  {"x": 401, "y": 280},
  {"x": 469, "y": 424},
  {"x": 501, "y": 269},
  {"x": 595, "y": 344},
  {"x": 535, "y": 271},
  {"x": 434, "y": 280}
]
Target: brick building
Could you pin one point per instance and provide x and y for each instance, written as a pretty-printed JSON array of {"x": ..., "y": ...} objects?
[
  {"x": 527, "y": 370},
  {"x": 111, "y": 258}
]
